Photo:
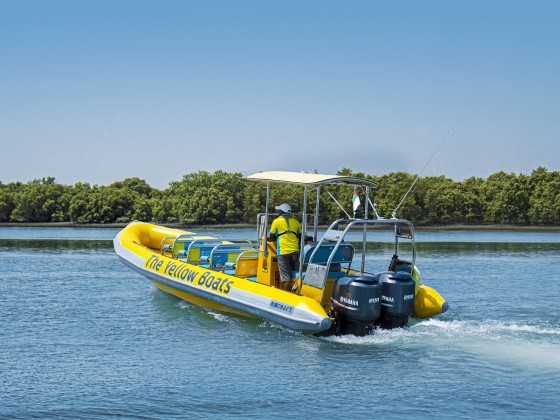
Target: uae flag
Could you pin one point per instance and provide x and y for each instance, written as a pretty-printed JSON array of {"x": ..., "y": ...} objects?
[{"x": 356, "y": 203}]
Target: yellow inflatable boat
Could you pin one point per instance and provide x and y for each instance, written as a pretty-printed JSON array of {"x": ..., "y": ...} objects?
[{"x": 332, "y": 293}]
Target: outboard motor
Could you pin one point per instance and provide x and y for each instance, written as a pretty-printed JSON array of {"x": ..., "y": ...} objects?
[
  {"x": 356, "y": 303},
  {"x": 397, "y": 299}
]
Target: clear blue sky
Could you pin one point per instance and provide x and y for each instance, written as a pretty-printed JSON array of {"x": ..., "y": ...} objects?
[{"x": 98, "y": 91}]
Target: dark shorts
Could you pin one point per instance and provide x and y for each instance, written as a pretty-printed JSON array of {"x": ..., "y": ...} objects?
[{"x": 286, "y": 264}]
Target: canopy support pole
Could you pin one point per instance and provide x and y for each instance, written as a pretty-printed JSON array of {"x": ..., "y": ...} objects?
[
  {"x": 364, "y": 238},
  {"x": 316, "y": 222},
  {"x": 265, "y": 232},
  {"x": 302, "y": 239}
]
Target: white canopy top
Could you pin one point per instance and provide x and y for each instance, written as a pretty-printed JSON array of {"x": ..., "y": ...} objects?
[{"x": 302, "y": 178}]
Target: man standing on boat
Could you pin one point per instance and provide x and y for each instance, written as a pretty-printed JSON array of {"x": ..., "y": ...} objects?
[{"x": 286, "y": 231}]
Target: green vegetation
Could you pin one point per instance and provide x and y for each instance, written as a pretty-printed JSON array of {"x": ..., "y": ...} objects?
[{"x": 223, "y": 197}]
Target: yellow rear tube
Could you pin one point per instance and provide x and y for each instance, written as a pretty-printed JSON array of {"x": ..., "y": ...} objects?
[{"x": 428, "y": 302}]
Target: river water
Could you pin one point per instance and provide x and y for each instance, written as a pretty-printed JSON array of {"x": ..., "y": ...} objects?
[{"x": 82, "y": 336}]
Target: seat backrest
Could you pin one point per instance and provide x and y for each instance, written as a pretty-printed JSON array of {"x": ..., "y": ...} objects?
[
  {"x": 181, "y": 246},
  {"x": 225, "y": 253},
  {"x": 344, "y": 253},
  {"x": 247, "y": 264},
  {"x": 200, "y": 250}
]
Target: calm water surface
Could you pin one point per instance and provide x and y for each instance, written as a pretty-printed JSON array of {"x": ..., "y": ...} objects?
[{"x": 82, "y": 336}]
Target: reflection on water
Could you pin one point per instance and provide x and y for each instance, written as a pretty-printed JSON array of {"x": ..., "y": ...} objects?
[
  {"x": 467, "y": 247},
  {"x": 250, "y": 233},
  {"x": 83, "y": 336},
  {"x": 54, "y": 245},
  {"x": 421, "y": 247},
  {"x": 56, "y": 233}
]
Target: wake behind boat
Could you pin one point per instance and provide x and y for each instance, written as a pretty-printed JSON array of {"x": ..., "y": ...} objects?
[{"x": 332, "y": 293}]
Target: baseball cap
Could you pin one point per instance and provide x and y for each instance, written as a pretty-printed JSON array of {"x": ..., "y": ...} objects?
[{"x": 285, "y": 207}]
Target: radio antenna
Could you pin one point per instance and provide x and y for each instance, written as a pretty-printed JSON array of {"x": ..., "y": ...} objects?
[{"x": 394, "y": 214}]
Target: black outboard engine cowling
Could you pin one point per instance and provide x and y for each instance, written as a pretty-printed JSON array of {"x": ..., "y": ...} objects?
[
  {"x": 397, "y": 299},
  {"x": 356, "y": 303}
]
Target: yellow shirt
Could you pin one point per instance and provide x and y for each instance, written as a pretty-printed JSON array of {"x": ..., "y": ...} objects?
[{"x": 286, "y": 242}]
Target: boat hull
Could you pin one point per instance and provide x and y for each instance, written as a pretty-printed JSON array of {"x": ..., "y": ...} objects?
[{"x": 137, "y": 245}]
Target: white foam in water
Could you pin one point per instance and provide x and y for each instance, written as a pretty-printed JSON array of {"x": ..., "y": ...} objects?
[
  {"x": 219, "y": 317},
  {"x": 516, "y": 344},
  {"x": 488, "y": 327},
  {"x": 513, "y": 344},
  {"x": 377, "y": 337},
  {"x": 269, "y": 325},
  {"x": 183, "y": 305},
  {"x": 216, "y": 315}
]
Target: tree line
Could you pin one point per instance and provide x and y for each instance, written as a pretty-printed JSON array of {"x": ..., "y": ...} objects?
[{"x": 205, "y": 198}]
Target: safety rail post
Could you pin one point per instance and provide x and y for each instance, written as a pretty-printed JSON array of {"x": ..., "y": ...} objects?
[
  {"x": 333, "y": 252},
  {"x": 162, "y": 245},
  {"x": 179, "y": 238}
]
